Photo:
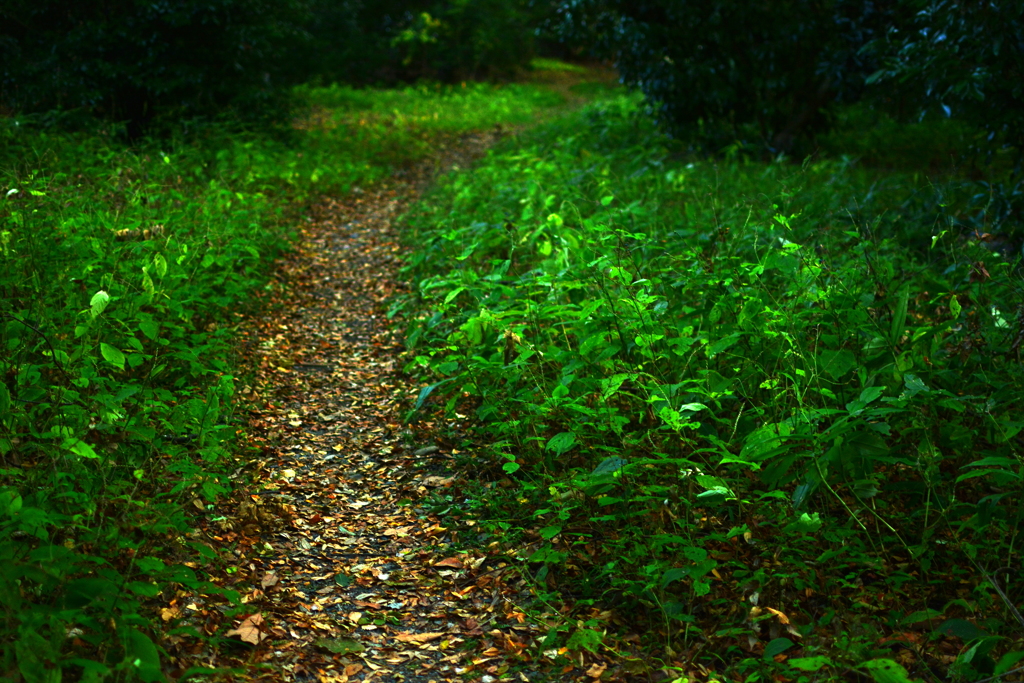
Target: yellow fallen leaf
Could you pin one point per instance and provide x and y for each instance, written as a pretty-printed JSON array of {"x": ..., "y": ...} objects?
[
  {"x": 453, "y": 562},
  {"x": 418, "y": 637},
  {"x": 250, "y": 630}
]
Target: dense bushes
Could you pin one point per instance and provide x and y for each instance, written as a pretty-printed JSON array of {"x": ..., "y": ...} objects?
[
  {"x": 760, "y": 72},
  {"x": 137, "y": 62},
  {"x": 766, "y": 73},
  {"x": 132, "y": 61},
  {"x": 447, "y": 40},
  {"x": 705, "y": 385},
  {"x": 123, "y": 272}
]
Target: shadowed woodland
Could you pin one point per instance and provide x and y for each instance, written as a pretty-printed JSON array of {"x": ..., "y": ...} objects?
[{"x": 498, "y": 340}]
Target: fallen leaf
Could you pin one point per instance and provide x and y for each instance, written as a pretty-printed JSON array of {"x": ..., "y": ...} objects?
[
  {"x": 250, "y": 630},
  {"x": 418, "y": 637},
  {"x": 453, "y": 562},
  {"x": 782, "y": 617},
  {"x": 596, "y": 670},
  {"x": 269, "y": 579},
  {"x": 339, "y": 646}
]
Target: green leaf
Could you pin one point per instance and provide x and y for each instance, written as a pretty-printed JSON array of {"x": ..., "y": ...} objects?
[
  {"x": 961, "y": 628},
  {"x": 454, "y": 293},
  {"x": 585, "y": 639},
  {"x": 98, "y": 303},
  {"x": 955, "y": 307},
  {"x": 561, "y": 443},
  {"x": 80, "y": 448},
  {"x": 609, "y": 466},
  {"x": 870, "y": 394},
  {"x": 836, "y": 363},
  {"x": 777, "y": 647},
  {"x": 150, "y": 328},
  {"x": 112, "y": 355},
  {"x": 425, "y": 392},
  {"x": 810, "y": 663},
  {"x": 36, "y": 660},
  {"x": 343, "y": 580},
  {"x": 160, "y": 263},
  {"x": 886, "y": 671},
  {"x": 899, "y": 316},
  {"x": 1007, "y": 662}
]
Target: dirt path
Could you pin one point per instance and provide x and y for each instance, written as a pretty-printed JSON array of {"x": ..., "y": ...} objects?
[{"x": 345, "y": 577}]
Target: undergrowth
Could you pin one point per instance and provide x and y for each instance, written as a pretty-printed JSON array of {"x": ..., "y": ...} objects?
[
  {"x": 768, "y": 412},
  {"x": 124, "y": 271}
]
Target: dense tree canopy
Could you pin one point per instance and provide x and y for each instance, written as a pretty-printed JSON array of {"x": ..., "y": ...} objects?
[{"x": 129, "y": 60}]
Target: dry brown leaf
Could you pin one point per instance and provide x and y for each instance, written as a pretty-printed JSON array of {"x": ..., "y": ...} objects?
[
  {"x": 168, "y": 613},
  {"x": 418, "y": 637},
  {"x": 269, "y": 579},
  {"x": 453, "y": 562},
  {"x": 596, "y": 670},
  {"x": 250, "y": 630},
  {"x": 353, "y": 669},
  {"x": 782, "y": 617}
]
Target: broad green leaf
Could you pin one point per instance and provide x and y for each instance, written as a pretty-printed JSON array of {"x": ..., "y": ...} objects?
[
  {"x": 777, "y": 647},
  {"x": 160, "y": 263},
  {"x": 112, "y": 355},
  {"x": 836, "y": 363},
  {"x": 98, "y": 303},
  {"x": 80, "y": 448},
  {"x": 609, "y": 466},
  {"x": 810, "y": 663},
  {"x": 955, "y": 307},
  {"x": 1007, "y": 662},
  {"x": 961, "y": 628},
  {"x": 36, "y": 659},
  {"x": 454, "y": 293},
  {"x": 886, "y": 671},
  {"x": 562, "y": 442}
]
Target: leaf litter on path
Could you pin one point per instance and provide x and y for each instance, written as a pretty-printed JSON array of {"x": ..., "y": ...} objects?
[{"x": 342, "y": 575}]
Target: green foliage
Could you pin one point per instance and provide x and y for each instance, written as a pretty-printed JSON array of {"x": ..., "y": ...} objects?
[
  {"x": 133, "y": 61},
  {"x": 965, "y": 60},
  {"x": 122, "y": 275},
  {"x": 696, "y": 370},
  {"x": 405, "y": 40},
  {"x": 718, "y": 72}
]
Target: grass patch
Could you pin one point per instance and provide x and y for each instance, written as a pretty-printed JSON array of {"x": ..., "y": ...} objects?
[{"x": 765, "y": 413}]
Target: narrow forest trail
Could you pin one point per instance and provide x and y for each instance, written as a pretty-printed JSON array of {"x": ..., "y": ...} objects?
[{"x": 344, "y": 577}]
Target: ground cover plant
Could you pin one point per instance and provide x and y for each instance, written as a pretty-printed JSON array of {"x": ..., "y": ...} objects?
[
  {"x": 125, "y": 270},
  {"x": 764, "y": 416}
]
